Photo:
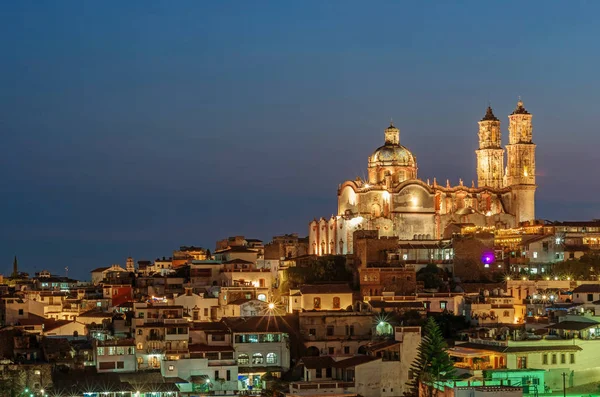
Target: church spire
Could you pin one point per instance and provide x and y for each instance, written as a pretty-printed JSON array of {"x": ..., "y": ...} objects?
[
  {"x": 15, "y": 267},
  {"x": 392, "y": 135},
  {"x": 520, "y": 109},
  {"x": 489, "y": 115}
]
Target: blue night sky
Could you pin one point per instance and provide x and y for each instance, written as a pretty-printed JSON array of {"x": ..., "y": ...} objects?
[{"x": 130, "y": 128}]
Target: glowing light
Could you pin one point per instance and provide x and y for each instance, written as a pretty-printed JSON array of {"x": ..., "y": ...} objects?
[
  {"x": 544, "y": 297},
  {"x": 367, "y": 185},
  {"x": 271, "y": 306},
  {"x": 555, "y": 278},
  {"x": 489, "y": 213},
  {"x": 487, "y": 258},
  {"x": 525, "y": 173},
  {"x": 507, "y": 278},
  {"x": 414, "y": 200},
  {"x": 382, "y": 323},
  {"x": 524, "y": 279},
  {"x": 547, "y": 278},
  {"x": 568, "y": 278},
  {"x": 385, "y": 196},
  {"x": 355, "y": 221}
]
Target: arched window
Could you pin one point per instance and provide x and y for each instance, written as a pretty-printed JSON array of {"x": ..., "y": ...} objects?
[
  {"x": 243, "y": 359},
  {"x": 271, "y": 358},
  {"x": 257, "y": 358},
  {"x": 262, "y": 297},
  {"x": 336, "y": 302},
  {"x": 317, "y": 303}
]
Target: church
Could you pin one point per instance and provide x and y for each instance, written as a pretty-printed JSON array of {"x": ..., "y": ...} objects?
[{"x": 395, "y": 202}]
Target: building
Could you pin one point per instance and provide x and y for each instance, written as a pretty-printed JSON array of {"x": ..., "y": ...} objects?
[
  {"x": 161, "y": 332},
  {"x": 396, "y": 203},
  {"x": 336, "y": 332},
  {"x": 261, "y": 344},
  {"x": 101, "y": 273},
  {"x": 115, "y": 355},
  {"x": 196, "y": 306},
  {"x": 320, "y": 297}
]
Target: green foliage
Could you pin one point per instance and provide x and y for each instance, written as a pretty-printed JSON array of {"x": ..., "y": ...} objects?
[
  {"x": 326, "y": 268},
  {"x": 431, "y": 276},
  {"x": 432, "y": 364},
  {"x": 586, "y": 266},
  {"x": 450, "y": 324}
]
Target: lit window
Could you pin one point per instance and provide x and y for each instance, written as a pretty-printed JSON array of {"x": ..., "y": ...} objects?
[
  {"x": 271, "y": 358},
  {"x": 405, "y": 256},
  {"x": 443, "y": 305},
  {"x": 171, "y": 367},
  {"x": 257, "y": 358},
  {"x": 262, "y": 297},
  {"x": 243, "y": 359},
  {"x": 535, "y": 255}
]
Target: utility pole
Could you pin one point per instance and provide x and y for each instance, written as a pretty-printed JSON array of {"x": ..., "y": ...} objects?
[{"x": 564, "y": 375}]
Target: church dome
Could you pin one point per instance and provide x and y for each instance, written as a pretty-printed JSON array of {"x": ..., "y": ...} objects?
[
  {"x": 392, "y": 160},
  {"x": 393, "y": 155}
]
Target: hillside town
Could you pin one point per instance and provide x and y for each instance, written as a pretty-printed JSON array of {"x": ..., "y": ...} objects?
[{"x": 515, "y": 310}]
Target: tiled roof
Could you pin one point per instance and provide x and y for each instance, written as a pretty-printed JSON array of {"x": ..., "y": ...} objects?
[
  {"x": 100, "y": 269},
  {"x": 317, "y": 362},
  {"x": 354, "y": 361},
  {"x": 286, "y": 324},
  {"x": 325, "y": 289},
  {"x": 572, "y": 325},
  {"x": 587, "y": 288},
  {"x": 382, "y": 304}
]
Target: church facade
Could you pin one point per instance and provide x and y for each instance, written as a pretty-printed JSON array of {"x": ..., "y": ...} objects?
[{"x": 396, "y": 203}]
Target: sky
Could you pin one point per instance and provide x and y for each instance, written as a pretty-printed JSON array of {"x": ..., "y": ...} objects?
[{"x": 131, "y": 128}]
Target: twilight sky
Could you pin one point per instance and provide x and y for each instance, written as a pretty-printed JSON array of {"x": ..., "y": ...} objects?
[{"x": 130, "y": 128}]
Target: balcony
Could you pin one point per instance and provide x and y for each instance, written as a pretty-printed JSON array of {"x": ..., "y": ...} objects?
[
  {"x": 295, "y": 387},
  {"x": 175, "y": 321},
  {"x": 155, "y": 337}
]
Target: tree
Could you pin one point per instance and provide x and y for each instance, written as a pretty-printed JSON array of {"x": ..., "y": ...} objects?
[
  {"x": 430, "y": 275},
  {"x": 432, "y": 364}
]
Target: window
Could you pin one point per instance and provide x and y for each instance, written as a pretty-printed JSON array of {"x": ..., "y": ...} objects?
[
  {"x": 262, "y": 297},
  {"x": 554, "y": 359},
  {"x": 336, "y": 302},
  {"x": 534, "y": 254},
  {"x": 228, "y": 376},
  {"x": 319, "y": 372},
  {"x": 346, "y": 349},
  {"x": 218, "y": 337},
  {"x": 506, "y": 313},
  {"x": 545, "y": 359},
  {"x": 443, "y": 305},
  {"x": 196, "y": 316},
  {"x": 205, "y": 312},
  {"x": 111, "y": 350},
  {"x": 317, "y": 303},
  {"x": 328, "y": 372},
  {"x": 140, "y": 331},
  {"x": 312, "y": 332},
  {"x": 330, "y": 350},
  {"x": 120, "y": 364},
  {"x": 140, "y": 346},
  {"x": 100, "y": 351},
  {"x": 522, "y": 362},
  {"x": 572, "y": 358},
  {"x": 590, "y": 297},
  {"x": 120, "y": 350},
  {"x": 349, "y": 330},
  {"x": 216, "y": 374},
  {"x": 257, "y": 358},
  {"x": 243, "y": 359},
  {"x": 20, "y": 312},
  {"x": 171, "y": 367},
  {"x": 271, "y": 358},
  {"x": 107, "y": 365},
  {"x": 563, "y": 358},
  {"x": 330, "y": 330},
  {"x": 140, "y": 314}
]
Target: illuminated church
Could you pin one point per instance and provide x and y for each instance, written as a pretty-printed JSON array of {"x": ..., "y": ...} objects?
[{"x": 396, "y": 203}]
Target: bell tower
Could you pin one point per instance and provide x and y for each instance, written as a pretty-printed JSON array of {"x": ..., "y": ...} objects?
[
  {"x": 520, "y": 170},
  {"x": 490, "y": 155}
]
